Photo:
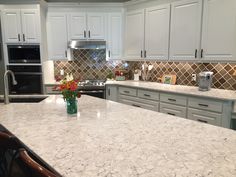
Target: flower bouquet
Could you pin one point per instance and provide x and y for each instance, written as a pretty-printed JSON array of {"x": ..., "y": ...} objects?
[{"x": 69, "y": 90}]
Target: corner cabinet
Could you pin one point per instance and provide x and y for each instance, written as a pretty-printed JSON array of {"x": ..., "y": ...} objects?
[
  {"x": 57, "y": 36},
  {"x": 21, "y": 25}
]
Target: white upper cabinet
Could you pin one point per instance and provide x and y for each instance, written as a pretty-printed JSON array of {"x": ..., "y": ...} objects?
[
  {"x": 89, "y": 26},
  {"x": 57, "y": 36},
  {"x": 185, "y": 29},
  {"x": 134, "y": 35},
  {"x": 114, "y": 40},
  {"x": 12, "y": 25},
  {"x": 30, "y": 26},
  {"x": 21, "y": 26},
  {"x": 157, "y": 32},
  {"x": 96, "y": 26},
  {"x": 219, "y": 30},
  {"x": 77, "y": 26}
]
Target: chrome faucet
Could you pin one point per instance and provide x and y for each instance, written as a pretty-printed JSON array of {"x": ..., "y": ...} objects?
[{"x": 6, "y": 87}]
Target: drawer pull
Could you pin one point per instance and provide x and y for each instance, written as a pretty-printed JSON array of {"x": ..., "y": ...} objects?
[
  {"x": 203, "y": 121},
  {"x": 136, "y": 105},
  {"x": 126, "y": 91},
  {"x": 203, "y": 105},
  {"x": 147, "y": 95},
  {"x": 171, "y": 114},
  {"x": 170, "y": 99}
]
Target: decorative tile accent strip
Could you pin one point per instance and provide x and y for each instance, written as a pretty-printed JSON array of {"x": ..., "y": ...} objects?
[{"x": 92, "y": 64}]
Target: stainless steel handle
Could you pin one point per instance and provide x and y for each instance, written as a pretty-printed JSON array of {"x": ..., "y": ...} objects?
[
  {"x": 109, "y": 53},
  {"x": 65, "y": 53},
  {"x": 141, "y": 54},
  {"x": 171, "y": 114},
  {"x": 84, "y": 34},
  {"x": 203, "y": 105},
  {"x": 27, "y": 73},
  {"x": 18, "y": 37},
  {"x": 170, "y": 99},
  {"x": 126, "y": 91},
  {"x": 201, "y": 53},
  {"x": 145, "y": 54},
  {"x": 23, "y": 37},
  {"x": 147, "y": 95},
  {"x": 89, "y": 33},
  {"x": 203, "y": 121},
  {"x": 91, "y": 91},
  {"x": 196, "y": 53},
  {"x": 109, "y": 92},
  {"x": 136, "y": 105}
]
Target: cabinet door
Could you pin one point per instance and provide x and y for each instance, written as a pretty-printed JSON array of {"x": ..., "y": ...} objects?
[
  {"x": 96, "y": 26},
  {"x": 185, "y": 29},
  {"x": 57, "y": 36},
  {"x": 111, "y": 93},
  {"x": 219, "y": 30},
  {"x": 30, "y": 26},
  {"x": 12, "y": 26},
  {"x": 77, "y": 26},
  {"x": 134, "y": 37},
  {"x": 157, "y": 32},
  {"x": 114, "y": 42}
]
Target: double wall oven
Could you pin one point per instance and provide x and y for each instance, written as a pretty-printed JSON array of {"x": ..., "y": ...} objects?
[{"x": 24, "y": 61}]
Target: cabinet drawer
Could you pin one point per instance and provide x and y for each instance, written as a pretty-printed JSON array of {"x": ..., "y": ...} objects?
[
  {"x": 173, "y": 110},
  {"x": 128, "y": 91},
  {"x": 153, "y": 107},
  {"x": 174, "y": 99},
  {"x": 150, "y": 95},
  {"x": 205, "y": 104},
  {"x": 204, "y": 116},
  {"x": 51, "y": 90}
]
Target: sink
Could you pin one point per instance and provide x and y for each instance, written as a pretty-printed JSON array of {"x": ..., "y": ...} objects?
[{"x": 25, "y": 100}]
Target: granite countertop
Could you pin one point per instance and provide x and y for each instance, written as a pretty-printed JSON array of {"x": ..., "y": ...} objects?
[
  {"x": 107, "y": 138},
  {"x": 181, "y": 89}
]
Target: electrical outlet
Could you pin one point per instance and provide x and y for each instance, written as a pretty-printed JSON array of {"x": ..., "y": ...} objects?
[
  {"x": 62, "y": 72},
  {"x": 194, "y": 77}
]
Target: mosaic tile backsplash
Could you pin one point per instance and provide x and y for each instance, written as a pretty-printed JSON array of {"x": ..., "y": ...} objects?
[{"x": 92, "y": 64}]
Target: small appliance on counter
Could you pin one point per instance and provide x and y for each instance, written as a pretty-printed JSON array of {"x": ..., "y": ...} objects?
[{"x": 205, "y": 80}]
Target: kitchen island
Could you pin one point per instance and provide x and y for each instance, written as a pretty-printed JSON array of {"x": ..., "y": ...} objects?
[{"x": 107, "y": 138}]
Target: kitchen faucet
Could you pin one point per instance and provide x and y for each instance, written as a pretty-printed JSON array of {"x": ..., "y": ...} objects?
[{"x": 6, "y": 87}]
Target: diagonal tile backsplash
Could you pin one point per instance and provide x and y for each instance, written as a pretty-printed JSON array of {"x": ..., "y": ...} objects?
[{"x": 92, "y": 64}]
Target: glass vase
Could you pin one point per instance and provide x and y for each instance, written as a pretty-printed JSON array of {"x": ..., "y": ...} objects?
[{"x": 71, "y": 105}]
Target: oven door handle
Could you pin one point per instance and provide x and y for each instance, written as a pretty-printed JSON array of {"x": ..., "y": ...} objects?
[
  {"x": 27, "y": 73},
  {"x": 91, "y": 91}
]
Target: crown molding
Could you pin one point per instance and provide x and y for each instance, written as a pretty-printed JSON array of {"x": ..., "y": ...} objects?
[{"x": 78, "y": 4}]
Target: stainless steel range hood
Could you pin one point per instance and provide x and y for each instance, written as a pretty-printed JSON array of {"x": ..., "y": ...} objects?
[{"x": 92, "y": 44}]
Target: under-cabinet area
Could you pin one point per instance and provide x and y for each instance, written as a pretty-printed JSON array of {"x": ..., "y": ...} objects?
[{"x": 198, "y": 108}]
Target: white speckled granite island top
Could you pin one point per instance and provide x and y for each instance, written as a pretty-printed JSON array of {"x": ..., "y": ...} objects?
[
  {"x": 115, "y": 140},
  {"x": 181, "y": 89}
]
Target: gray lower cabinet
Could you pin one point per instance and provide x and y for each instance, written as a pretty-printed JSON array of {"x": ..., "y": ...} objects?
[
  {"x": 211, "y": 111},
  {"x": 205, "y": 116},
  {"x": 111, "y": 93},
  {"x": 174, "y": 110}
]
